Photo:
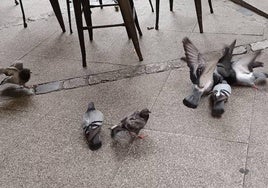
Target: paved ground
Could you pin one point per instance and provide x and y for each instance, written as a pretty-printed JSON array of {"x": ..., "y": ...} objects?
[{"x": 42, "y": 144}]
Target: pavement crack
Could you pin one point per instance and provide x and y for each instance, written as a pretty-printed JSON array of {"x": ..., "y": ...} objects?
[
  {"x": 115, "y": 75},
  {"x": 250, "y": 127}
]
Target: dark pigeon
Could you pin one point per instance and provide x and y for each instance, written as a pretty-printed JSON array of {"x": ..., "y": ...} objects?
[
  {"x": 131, "y": 125},
  {"x": 224, "y": 66}
]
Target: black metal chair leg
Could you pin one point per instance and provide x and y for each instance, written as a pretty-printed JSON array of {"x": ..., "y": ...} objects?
[
  {"x": 87, "y": 14},
  {"x": 129, "y": 23},
  {"x": 69, "y": 15},
  {"x": 171, "y": 5},
  {"x": 157, "y": 13},
  {"x": 127, "y": 29},
  {"x": 198, "y": 8},
  {"x": 100, "y": 1},
  {"x": 210, "y": 6},
  {"x": 79, "y": 24},
  {"x": 152, "y": 7},
  {"x": 137, "y": 24},
  {"x": 56, "y": 7},
  {"x": 135, "y": 17},
  {"x": 16, "y": 2},
  {"x": 23, "y": 15}
]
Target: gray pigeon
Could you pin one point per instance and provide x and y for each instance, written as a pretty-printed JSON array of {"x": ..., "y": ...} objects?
[
  {"x": 244, "y": 74},
  {"x": 220, "y": 94},
  {"x": 201, "y": 73},
  {"x": 131, "y": 125},
  {"x": 92, "y": 122},
  {"x": 16, "y": 74}
]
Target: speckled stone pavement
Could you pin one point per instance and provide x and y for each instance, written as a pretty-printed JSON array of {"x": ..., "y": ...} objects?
[{"x": 41, "y": 139}]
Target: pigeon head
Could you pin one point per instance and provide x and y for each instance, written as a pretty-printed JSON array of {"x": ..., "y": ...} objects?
[
  {"x": 91, "y": 106},
  {"x": 144, "y": 113},
  {"x": 25, "y": 75}
]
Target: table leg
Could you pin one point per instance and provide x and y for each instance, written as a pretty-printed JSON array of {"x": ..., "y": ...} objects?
[{"x": 56, "y": 8}]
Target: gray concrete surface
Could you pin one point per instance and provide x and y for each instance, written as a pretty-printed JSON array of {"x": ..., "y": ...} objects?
[{"x": 41, "y": 140}]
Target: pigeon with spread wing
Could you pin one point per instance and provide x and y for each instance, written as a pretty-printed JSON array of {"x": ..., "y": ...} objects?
[{"x": 201, "y": 73}]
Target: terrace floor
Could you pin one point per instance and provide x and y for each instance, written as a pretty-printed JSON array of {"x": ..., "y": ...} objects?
[{"x": 41, "y": 139}]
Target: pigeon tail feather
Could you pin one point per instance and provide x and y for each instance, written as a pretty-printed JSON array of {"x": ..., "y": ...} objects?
[{"x": 2, "y": 71}]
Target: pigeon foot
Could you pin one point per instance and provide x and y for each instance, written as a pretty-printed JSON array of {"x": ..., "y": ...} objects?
[
  {"x": 142, "y": 136},
  {"x": 255, "y": 87}
]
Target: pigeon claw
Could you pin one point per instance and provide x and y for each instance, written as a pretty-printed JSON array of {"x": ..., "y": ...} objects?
[
  {"x": 255, "y": 87},
  {"x": 142, "y": 136}
]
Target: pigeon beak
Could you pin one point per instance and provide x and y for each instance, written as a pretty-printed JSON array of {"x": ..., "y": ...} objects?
[{"x": 111, "y": 128}]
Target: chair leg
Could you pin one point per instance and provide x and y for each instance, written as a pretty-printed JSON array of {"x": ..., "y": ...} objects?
[
  {"x": 171, "y": 5},
  {"x": 157, "y": 2},
  {"x": 69, "y": 15},
  {"x": 79, "y": 24},
  {"x": 137, "y": 24},
  {"x": 135, "y": 17},
  {"x": 127, "y": 29},
  {"x": 152, "y": 7},
  {"x": 129, "y": 23},
  {"x": 23, "y": 15},
  {"x": 56, "y": 8},
  {"x": 16, "y": 2},
  {"x": 198, "y": 8},
  {"x": 100, "y": 1},
  {"x": 210, "y": 6},
  {"x": 87, "y": 14}
]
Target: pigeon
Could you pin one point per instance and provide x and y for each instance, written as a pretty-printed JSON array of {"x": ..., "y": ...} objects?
[
  {"x": 220, "y": 94},
  {"x": 201, "y": 73},
  {"x": 16, "y": 74},
  {"x": 224, "y": 66},
  {"x": 131, "y": 125},
  {"x": 92, "y": 123},
  {"x": 244, "y": 74}
]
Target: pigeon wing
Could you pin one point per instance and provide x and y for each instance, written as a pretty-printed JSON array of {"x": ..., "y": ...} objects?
[
  {"x": 225, "y": 64},
  {"x": 11, "y": 71},
  {"x": 93, "y": 116},
  {"x": 18, "y": 66},
  {"x": 207, "y": 75},
  {"x": 133, "y": 123},
  {"x": 195, "y": 60},
  {"x": 245, "y": 64}
]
